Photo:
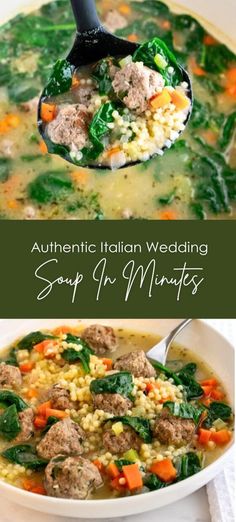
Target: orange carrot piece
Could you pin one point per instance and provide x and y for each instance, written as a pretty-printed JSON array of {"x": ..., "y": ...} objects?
[
  {"x": 41, "y": 409},
  {"x": 43, "y": 147},
  {"x": 231, "y": 76},
  {"x": 204, "y": 436},
  {"x": 26, "y": 367},
  {"x": 40, "y": 423},
  {"x": 133, "y": 476},
  {"x": 59, "y": 414},
  {"x": 160, "y": 100},
  {"x": 207, "y": 390},
  {"x": 168, "y": 215},
  {"x": 48, "y": 112},
  {"x": 166, "y": 24},
  {"x": 149, "y": 387},
  {"x": 108, "y": 363},
  {"x": 115, "y": 484},
  {"x": 209, "y": 382},
  {"x": 99, "y": 465},
  {"x": 164, "y": 470},
  {"x": 124, "y": 9},
  {"x": 75, "y": 82},
  {"x": 196, "y": 69},
  {"x": 110, "y": 152},
  {"x": 221, "y": 437},
  {"x": 179, "y": 100},
  {"x": 63, "y": 330},
  {"x": 112, "y": 470},
  {"x": 217, "y": 394},
  {"x": 231, "y": 91},
  {"x": 209, "y": 40},
  {"x": 32, "y": 393},
  {"x": 33, "y": 486},
  {"x": 132, "y": 37},
  {"x": 12, "y": 203}
]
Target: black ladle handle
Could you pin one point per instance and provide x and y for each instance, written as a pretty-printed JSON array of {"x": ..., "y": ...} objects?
[{"x": 85, "y": 14}]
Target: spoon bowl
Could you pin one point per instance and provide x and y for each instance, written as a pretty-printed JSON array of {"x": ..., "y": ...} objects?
[
  {"x": 93, "y": 43},
  {"x": 159, "y": 352}
]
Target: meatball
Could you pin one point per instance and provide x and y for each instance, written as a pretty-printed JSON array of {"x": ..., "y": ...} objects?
[
  {"x": 71, "y": 477},
  {"x": 114, "y": 20},
  {"x": 26, "y": 419},
  {"x": 112, "y": 403},
  {"x": 70, "y": 127},
  {"x": 120, "y": 443},
  {"x": 139, "y": 83},
  {"x": 136, "y": 363},
  {"x": 83, "y": 94},
  {"x": 64, "y": 437},
  {"x": 10, "y": 376},
  {"x": 101, "y": 338},
  {"x": 59, "y": 397},
  {"x": 169, "y": 429}
]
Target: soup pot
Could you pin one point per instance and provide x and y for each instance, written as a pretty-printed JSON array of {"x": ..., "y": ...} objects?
[{"x": 209, "y": 345}]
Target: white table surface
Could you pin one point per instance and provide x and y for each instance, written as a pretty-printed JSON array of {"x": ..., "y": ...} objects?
[{"x": 194, "y": 508}]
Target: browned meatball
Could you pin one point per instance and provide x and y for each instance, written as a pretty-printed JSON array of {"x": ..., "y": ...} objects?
[
  {"x": 26, "y": 419},
  {"x": 10, "y": 376},
  {"x": 136, "y": 363},
  {"x": 64, "y": 437},
  {"x": 120, "y": 443},
  {"x": 70, "y": 127},
  {"x": 112, "y": 403},
  {"x": 169, "y": 429},
  {"x": 59, "y": 397},
  {"x": 101, "y": 338},
  {"x": 139, "y": 83},
  {"x": 71, "y": 477}
]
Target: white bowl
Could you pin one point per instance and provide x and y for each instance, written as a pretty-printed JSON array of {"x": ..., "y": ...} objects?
[{"x": 199, "y": 337}]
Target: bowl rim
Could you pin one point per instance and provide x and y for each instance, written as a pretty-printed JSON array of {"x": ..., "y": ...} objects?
[{"x": 129, "y": 501}]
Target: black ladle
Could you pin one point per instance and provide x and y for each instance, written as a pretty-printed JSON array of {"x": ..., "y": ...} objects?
[{"x": 92, "y": 43}]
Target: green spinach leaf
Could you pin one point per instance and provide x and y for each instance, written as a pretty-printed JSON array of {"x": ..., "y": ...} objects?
[
  {"x": 185, "y": 410},
  {"x": 25, "y": 455},
  {"x": 28, "y": 342},
  {"x": 152, "y": 482},
  {"x": 102, "y": 76},
  {"x": 227, "y": 131},
  {"x": 217, "y": 410},
  {"x": 141, "y": 426},
  {"x": 60, "y": 80},
  {"x": 5, "y": 166},
  {"x": 50, "y": 187},
  {"x": 121, "y": 383},
  {"x": 9, "y": 423},
  {"x": 98, "y": 127},
  {"x": 11, "y": 358},
  {"x": 83, "y": 355},
  {"x": 147, "y": 52},
  {"x": 187, "y": 465},
  {"x": 9, "y": 397}
]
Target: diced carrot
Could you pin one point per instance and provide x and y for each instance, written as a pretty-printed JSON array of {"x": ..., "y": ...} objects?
[
  {"x": 26, "y": 367},
  {"x": 231, "y": 76},
  {"x": 80, "y": 177},
  {"x": 124, "y": 9},
  {"x": 99, "y": 465},
  {"x": 210, "y": 136},
  {"x": 209, "y": 382},
  {"x": 108, "y": 363},
  {"x": 13, "y": 120},
  {"x": 75, "y": 82},
  {"x": 196, "y": 69},
  {"x": 207, "y": 390},
  {"x": 133, "y": 476},
  {"x": 209, "y": 40},
  {"x": 132, "y": 37},
  {"x": 110, "y": 152},
  {"x": 231, "y": 91},
  {"x": 63, "y": 330},
  {"x": 204, "y": 436},
  {"x": 160, "y": 100},
  {"x": 43, "y": 147},
  {"x": 33, "y": 486},
  {"x": 149, "y": 387},
  {"x": 166, "y": 24},
  {"x": 164, "y": 469},
  {"x": 221, "y": 436},
  {"x": 206, "y": 401},
  {"x": 40, "y": 423},
  {"x": 47, "y": 347},
  {"x": 217, "y": 394},
  {"x": 41, "y": 409},
  {"x": 59, "y": 414},
  {"x": 112, "y": 470},
  {"x": 48, "y": 112},
  {"x": 179, "y": 100},
  {"x": 115, "y": 483},
  {"x": 168, "y": 215},
  {"x": 32, "y": 393},
  {"x": 13, "y": 204},
  {"x": 39, "y": 347}
]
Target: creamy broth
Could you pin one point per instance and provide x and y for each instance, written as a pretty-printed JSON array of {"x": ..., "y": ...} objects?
[
  {"x": 194, "y": 180},
  {"x": 128, "y": 341}
]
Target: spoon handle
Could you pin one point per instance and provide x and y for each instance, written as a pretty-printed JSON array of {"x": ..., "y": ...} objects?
[
  {"x": 85, "y": 14},
  {"x": 170, "y": 338}
]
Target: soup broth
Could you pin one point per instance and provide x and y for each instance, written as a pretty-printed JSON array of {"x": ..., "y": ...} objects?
[
  {"x": 42, "y": 366},
  {"x": 195, "y": 179}
]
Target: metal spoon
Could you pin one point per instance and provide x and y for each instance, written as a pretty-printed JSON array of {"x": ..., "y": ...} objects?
[
  {"x": 160, "y": 351},
  {"x": 92, "y": 43}
]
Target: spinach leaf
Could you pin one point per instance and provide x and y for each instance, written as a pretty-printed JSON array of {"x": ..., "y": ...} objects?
[
  {"x": 212, "y": 186},
  {"x": 122, "y": 462},
  {"x": 147, "y": 52},
  {"x": 8, "y": 397},
  {"x": 169, "y": 373},
  {"x": 216, "y": 58},
  {"x": 9, "y": 423},
  {"x": 98, "y": 127},
  {"x": 5, "y": 164},
  {"x": 121, "y": 383},
  {"x": 21, "y": 87},
  {"x": 217, "y": 410},
  {"x": 191, "y": 31},
  {"x": 152, "y": 482},
  {"x": 83, "y": 355},
  {"x": 11, "y": 358},
  {"x": 168, "y": 199},
  {"x": 192, "y": 389},
  {"x": 187, "y": 465},
  {"x": 50, "y": 422},
  {"x": 60, "y": 80},
  {"x": 140, "y": 426},
  {"x": 198, "y": 210},
  {"x": 189, "y": 368},
  {"x": 227, "y": 131},
  {"x": 152, "y": 7},
  {"x": 102, "y": 76},
  {"x": 50, "y": 186},
  {"x": 184, "y": 410},
  {"x": 28, "y": 342},
  {"x": 25, "y": 455}
]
